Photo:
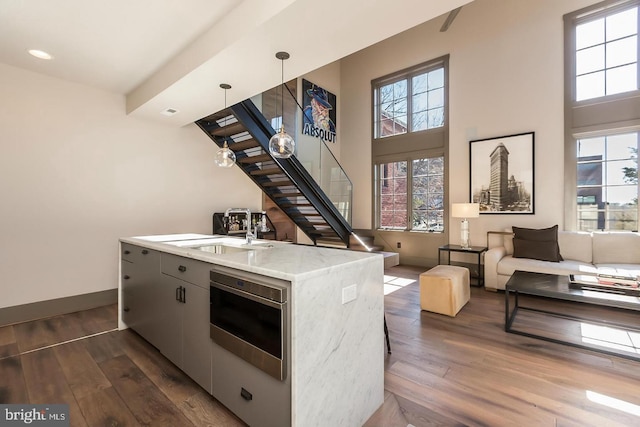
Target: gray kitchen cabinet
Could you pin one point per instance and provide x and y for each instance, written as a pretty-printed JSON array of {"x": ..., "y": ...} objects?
[
  {"x": 140, "y": 277},
  {"x": 165, "y": 299},
  {"x": 185, "y": 317},
  {"x": 253, "y": 395}
]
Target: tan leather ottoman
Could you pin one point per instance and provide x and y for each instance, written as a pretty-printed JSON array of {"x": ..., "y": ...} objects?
[{"x": 444, "y": 289}]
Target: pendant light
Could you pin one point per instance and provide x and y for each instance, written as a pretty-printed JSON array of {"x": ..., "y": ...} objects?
[
  {"x": 225, "y": 157},
  {"x": 281, "y": 145}
]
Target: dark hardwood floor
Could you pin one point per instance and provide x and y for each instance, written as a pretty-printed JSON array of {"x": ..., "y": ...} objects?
[
  {"x": 443, "y": 371},
  {"x": 466, "y": 370}
]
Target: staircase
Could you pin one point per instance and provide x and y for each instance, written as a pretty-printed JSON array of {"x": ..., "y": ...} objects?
[{"x": 285, "y": 181}]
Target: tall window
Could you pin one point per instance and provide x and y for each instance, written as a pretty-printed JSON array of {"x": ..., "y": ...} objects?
[
  {"x": 410, "y": 138},
  {"x": 608, "y": 183},
  {"x": 420, "y": 181},
  {"x": 411, "y": 102},
  {"x": 603, "y": 115},
  {"x": 606, "y": 57}
]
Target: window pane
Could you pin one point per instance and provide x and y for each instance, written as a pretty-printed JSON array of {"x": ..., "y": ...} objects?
[
  {"x": 436, "y": 118},
  {"x": 436, "y": 184},
  {"x": 400, "y": 125},
  {"x": 622, "y": 79},
  {"x": 420, "y": 102},
  {"x": 616, "y": 171},
  {"x": 420, "y": 167},
  {"x": 386, "y": 94},
  {"x": 622, "y": 52},
  {"x": 590, "y": 173},
  {"x": 435, "y": 221},
  {"x": 420, "y": 185},
  {"x": 400, "y": 107},
  {"x": 436, "y": 165},
  {"x": 589, "y": 60},
  {"x": 419, "y": 83},
  {"x": 590, "y": 34},
  {"x": 387, "y": 109},
  {"x": 400, "y": 89},
  {"x": 622, "y": 24},
  {"x": 419, "y": 121},
  {"x": 386, "y": 202},
  {"x": 622, "y": 196},
  {"x": 436, "y": 98},
  {"x": 622, "y": 146},
  {"x": 435, "y": 201},
  {"x": 435, "y": 79},
  {"x": 591, "y": 147},
  {"x": 590, "y": 86}
]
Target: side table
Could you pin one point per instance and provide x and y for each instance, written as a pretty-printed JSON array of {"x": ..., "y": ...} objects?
[{"x": 476, "y": 250}]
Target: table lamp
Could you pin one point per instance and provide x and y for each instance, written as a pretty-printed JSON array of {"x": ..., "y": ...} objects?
[{"x": 465, "y": 210}]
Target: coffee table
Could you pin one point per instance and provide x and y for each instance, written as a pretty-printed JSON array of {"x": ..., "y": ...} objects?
[{"x": 557, "y": 287}]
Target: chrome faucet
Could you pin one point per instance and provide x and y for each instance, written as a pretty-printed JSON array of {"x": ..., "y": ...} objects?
[{"x": 246, "y": 211}]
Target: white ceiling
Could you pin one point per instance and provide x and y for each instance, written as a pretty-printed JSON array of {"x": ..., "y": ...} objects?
[{"x": 174, "y": 54}]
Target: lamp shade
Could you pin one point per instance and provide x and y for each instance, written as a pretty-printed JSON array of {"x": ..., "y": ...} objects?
[{"x": 465, "y": 210}]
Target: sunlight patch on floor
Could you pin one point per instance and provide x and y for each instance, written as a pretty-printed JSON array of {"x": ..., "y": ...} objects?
[
  {"x": 614, "y": 338},
  {"x": 393, "y": 283},
  {"x": 614, "y": 403}
]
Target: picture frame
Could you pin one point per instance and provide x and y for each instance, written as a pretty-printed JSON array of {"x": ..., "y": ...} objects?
[{"x": 502, "y": 174}]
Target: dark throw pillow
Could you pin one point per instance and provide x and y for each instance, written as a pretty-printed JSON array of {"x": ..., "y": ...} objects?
[{"x": 540, "y": 244}]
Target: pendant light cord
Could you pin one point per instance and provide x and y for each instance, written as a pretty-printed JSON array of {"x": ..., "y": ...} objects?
[
  {"x": 282, "y": 93},
  {"x": 225, "y": 111}
]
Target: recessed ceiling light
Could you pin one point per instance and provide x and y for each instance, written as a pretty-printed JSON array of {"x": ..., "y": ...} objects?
[
  {"x": 40, "y": 54},
  {"x": 169, "y": 111}
]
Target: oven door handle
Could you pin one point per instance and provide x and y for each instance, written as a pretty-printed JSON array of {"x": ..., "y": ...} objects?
[{"x": 248, "y": 295}]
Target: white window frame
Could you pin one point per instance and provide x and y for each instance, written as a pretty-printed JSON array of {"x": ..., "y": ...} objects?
[{"x": 606, "y": 115}]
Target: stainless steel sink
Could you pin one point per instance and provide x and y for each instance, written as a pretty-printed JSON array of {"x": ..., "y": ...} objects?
[
  {"x": 220, "y": 245},
  {"x": 223, "y": 249}
]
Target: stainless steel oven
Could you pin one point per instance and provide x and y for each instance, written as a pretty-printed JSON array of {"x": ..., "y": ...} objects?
[{"x": 248, "y": 317}]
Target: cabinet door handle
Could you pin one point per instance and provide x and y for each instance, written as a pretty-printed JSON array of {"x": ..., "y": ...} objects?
[
  {"x": 182, "y": 269},
  {"x": 126, "y": 277},
  {"x": 178, "y": 293},
  {"x": 144, "y": 252},
  {"x": 184, "y": 295},
  {"x": 127, "y": 252},
  {"x": 126, "y": 309},
  {"x": 245, "y": 394}
]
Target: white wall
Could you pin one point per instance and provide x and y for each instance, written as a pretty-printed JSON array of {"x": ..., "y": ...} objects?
[
  {"x": 76, "y": 174},
  {"x": 506, "y": 77}
]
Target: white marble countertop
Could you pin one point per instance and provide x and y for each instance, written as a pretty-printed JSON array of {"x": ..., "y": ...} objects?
[{"x": 283, "y": 260}]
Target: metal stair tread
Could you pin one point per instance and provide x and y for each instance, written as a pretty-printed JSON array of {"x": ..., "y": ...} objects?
[
  {"x": 228, "y": 130},
  {"x": 255, "y": 159}
]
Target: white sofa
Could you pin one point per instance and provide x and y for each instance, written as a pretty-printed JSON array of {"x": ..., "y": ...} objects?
[{"x": 616, "y": 253}]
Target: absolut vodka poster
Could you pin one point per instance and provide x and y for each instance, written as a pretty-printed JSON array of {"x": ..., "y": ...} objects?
[{"x": 319, "y": 116}]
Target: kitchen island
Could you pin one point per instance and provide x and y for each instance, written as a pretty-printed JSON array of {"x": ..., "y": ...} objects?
[{"x": 331, "y": 348}]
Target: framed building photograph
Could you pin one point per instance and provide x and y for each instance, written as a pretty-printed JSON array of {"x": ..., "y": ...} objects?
[{"x": 502, "y": 174}]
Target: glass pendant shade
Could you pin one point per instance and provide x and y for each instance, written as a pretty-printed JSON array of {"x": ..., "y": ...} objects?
[
  {"x": 225, "y": 158},
  {"x": 281, "y": 145}
]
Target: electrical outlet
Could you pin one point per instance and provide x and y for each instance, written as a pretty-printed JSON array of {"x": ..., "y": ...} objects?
[
  {"x": 349, "y": 293},
  {"x": 398, "y": 245}
]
